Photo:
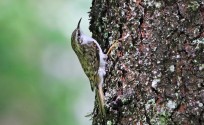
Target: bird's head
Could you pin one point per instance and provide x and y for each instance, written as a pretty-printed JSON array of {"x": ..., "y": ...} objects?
[{"x": 76, "y": 36}]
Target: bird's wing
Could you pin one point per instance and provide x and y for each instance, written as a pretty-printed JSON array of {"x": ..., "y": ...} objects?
[{"x": 90, "y": 62}]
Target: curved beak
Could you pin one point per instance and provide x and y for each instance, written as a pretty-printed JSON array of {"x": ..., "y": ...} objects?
[{"x": 78, "y": 26}]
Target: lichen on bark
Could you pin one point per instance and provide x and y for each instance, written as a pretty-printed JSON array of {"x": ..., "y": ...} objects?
[{"x": 156, "y": 73}]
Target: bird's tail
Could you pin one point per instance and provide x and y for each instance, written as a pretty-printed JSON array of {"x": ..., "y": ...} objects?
[{"x": 100, "y": 97}]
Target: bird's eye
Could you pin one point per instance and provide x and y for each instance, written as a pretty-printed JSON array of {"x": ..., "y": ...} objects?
[{"x": 78, "y": 33}]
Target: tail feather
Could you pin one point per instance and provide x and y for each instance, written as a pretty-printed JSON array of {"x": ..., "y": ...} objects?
[
  {"x": 99, "y": 90},
  {"x": 100, "y": 97}
]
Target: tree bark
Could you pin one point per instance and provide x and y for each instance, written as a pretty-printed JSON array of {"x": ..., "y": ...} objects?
[{"x": 156, "y": 73}]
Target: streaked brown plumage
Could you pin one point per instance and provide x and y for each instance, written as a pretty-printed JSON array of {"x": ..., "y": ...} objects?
[{"x": 92, "y": 60}]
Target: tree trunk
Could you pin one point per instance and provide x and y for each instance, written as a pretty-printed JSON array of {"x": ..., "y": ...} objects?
[{"x": 155, "y": 75}]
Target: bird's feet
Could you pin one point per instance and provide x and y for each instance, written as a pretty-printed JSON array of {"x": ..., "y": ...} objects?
[{"x": 115, "y": 44}]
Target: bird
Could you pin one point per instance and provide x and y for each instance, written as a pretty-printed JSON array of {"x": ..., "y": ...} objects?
[{"x": 92, "y": 60}]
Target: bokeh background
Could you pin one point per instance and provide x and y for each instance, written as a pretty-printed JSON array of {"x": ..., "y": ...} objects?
[{"x": 41, "y": 80}]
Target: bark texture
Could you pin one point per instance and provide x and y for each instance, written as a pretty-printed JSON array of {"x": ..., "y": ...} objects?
[{"x": 156, "y": 73}]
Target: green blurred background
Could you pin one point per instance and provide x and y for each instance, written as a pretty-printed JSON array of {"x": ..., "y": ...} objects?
[{"x": 41, "y": 80}]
